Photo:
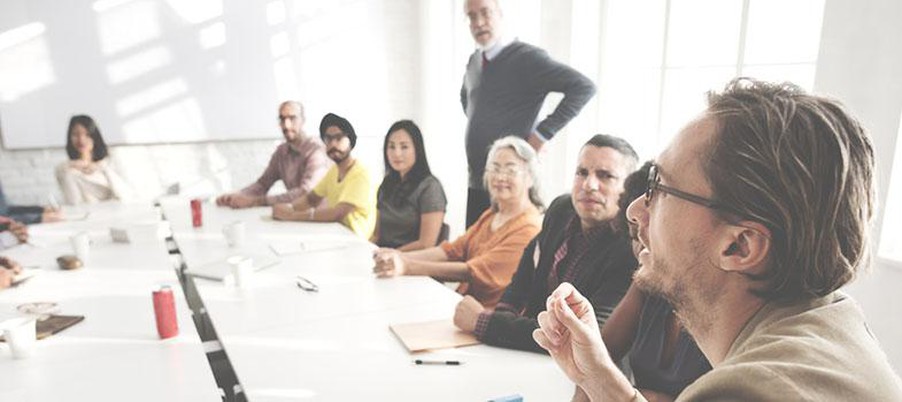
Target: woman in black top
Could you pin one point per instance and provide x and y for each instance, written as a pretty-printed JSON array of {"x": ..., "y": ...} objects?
[{"x": 411, "y": 201}]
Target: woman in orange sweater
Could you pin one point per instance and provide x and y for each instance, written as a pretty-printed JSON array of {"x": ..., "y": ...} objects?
[{"x": 485, "y": 258}]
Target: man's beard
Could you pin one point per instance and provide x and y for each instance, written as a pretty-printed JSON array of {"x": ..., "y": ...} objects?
[
  {"x": 688, "y": 294},
  {"x": 651, "y": 281},
  {"x": 339, "y": 156}
]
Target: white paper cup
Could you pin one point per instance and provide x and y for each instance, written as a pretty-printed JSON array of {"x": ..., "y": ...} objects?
[
  {"x": 21, "y": 335},
  {"x": 81, "y": 245},
  {"x": 242, "y": 270},
  {"x": 234, "y": 233}
]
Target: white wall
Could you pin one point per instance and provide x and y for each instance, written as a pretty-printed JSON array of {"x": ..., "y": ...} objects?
[
  {"x": 371, "y": 92},
  {"x": 860, "y": 63}
]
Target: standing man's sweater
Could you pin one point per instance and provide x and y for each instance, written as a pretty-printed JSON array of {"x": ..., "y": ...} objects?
[{"x": 505, "y": 97}]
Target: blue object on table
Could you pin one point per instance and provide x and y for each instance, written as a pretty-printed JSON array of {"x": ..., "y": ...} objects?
[{"x": 509, "y": 398}]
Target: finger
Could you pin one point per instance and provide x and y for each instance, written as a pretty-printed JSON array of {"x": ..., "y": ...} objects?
[
  {"x": 574, "y": 325},
  {"x": 542, "y": 339},
  {"x": 572, "y": 297},
  {"x": 564, "y": 291},
  {"x": 546, "y": 323},
  {"x": 552, "y": 309}
]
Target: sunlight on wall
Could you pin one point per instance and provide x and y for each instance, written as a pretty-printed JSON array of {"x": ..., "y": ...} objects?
[
  {"x": 279, "y": 45},
  {"x": 183, "y": 116},
  {"x": 196, "y": 11},
  {"x": 341, "y": 56},
  {"x": 286, "y": 80},
  {"x": 275, "y": 12},
  {"x": 139, "y": 64},
  {"x": 149, "y": 97},
  {"x": 123, "y": 25},
  {"x": 25, "y": 64},
  {"x": 212, "y": 36}
]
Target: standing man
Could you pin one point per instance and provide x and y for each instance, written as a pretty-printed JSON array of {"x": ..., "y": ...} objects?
[
  {"x": 346, "y": 188},
  {"x": 755, "y": 216},
  {"x": 503, "y": 90},
  {"x": 300, "y": 163},
  {"x": 579, "y": 243}
]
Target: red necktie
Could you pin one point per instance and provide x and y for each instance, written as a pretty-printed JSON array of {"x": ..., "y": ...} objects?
[{"x": 485, "y": 60}]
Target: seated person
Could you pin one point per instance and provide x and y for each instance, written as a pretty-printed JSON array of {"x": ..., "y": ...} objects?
[
  {"x": 88, "y": 177},
  {"x": 12, "y": 233},
  {"x": 484, "y": 259},
  {"x": 752, "y": 262},
  {"x": 346, "y": 188},
  {"x": 8, "y": 270},
  {"x": 579, "y": 243},
  {"x": 664, "y": 359},
  {"x": 28, "y": 214},
  {"x": 411, "y": 201},
  {"x": 300, "y": 162}
]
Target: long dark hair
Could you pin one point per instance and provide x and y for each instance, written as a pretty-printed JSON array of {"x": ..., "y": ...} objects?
[
  {"x": 99, "y": 152},
  {"x": 420, "y": 169}
]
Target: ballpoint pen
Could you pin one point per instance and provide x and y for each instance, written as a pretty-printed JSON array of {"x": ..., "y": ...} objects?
[
  {"x": 306, "y": 285},
  {"x": 421, "y": 362}
]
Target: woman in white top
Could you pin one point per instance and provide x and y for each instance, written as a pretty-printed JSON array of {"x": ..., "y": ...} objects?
[{"x": 88, "y": 176}]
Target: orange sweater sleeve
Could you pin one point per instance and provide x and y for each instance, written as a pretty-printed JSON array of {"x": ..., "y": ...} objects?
[{"x": 492, "y": 271}]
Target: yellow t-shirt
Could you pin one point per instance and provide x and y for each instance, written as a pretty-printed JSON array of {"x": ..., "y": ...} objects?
[{"x": 356, "y": 190}]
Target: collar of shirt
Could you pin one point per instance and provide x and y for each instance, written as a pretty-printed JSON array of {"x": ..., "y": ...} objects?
[
  {"x": 301, "y": 148},
  {"x": 593, "y": 235},
  {"x": 494, "y": 49}
]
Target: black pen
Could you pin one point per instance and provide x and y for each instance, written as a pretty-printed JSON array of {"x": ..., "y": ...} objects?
[{"x": 439, "y": 362}]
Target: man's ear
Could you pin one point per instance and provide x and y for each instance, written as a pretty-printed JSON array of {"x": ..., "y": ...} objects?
[{"x": 745, "y": 247}]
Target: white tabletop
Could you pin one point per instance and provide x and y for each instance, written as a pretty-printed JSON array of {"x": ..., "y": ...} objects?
[
  {"x": 335, "y": 344},
  {"x": 115, "y": 354}
]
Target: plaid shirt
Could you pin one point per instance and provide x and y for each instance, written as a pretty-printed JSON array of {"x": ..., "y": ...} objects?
[{"x": 565, "y": 268}]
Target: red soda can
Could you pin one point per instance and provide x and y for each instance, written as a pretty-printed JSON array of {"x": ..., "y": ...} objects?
[
  {"x": 197, "y": 214},
  {"x": 164, "y": 309}
]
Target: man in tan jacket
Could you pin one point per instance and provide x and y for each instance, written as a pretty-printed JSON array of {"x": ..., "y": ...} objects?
[{"x": 754, "y": 217}]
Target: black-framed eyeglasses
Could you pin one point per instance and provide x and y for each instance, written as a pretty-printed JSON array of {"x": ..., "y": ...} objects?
[{"x": 654, "y": 184}]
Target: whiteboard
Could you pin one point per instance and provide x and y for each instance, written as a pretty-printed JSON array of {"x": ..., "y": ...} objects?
[{"x": 169, "y": 71}]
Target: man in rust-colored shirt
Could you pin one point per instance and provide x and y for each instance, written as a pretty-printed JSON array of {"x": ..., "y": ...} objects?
[{"x": 300, "y": 163}]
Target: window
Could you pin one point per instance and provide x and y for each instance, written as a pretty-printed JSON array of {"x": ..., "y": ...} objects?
[
  {"x": 678, "y": 50},
  {"x": 891, "y": 233}
]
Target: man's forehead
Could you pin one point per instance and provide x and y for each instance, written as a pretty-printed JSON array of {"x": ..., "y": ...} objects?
[
  {"x": 472, "y": 6},
  {"x": 601, "y": 158},
  {"x": 288, "y": 109},
  {"x": 688, "y": 148}
]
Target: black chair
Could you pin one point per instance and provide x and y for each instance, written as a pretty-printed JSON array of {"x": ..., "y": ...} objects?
[{"x": 443, "y": 234}]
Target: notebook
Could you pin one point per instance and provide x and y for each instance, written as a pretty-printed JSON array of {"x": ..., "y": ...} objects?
[
  {"x": 218, "y": 270},
  {"x": 441, "y": 334},
  {"x": 54, "y": 324}
]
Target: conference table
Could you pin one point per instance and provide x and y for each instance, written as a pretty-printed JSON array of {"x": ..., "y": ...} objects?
[
  {"x": 115, "y": 354},
  {"x": 285, "y": 343}
]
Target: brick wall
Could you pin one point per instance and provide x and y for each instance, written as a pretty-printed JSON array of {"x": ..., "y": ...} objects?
[{"x": 199, "y": 169}]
